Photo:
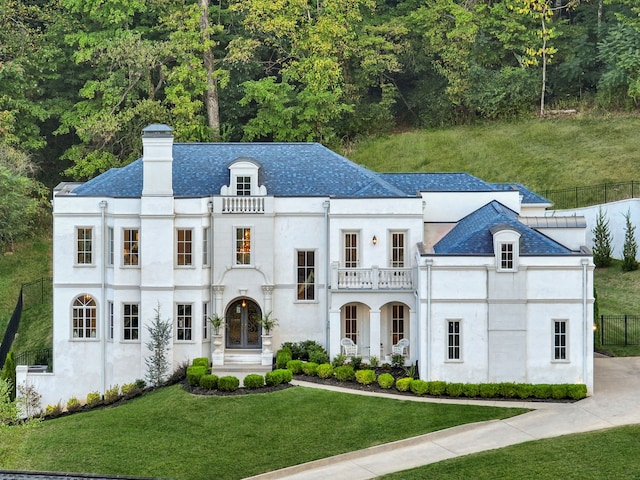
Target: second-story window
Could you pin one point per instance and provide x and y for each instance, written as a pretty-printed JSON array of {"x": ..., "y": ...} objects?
[
  {"x": 397, "y": 249},
  {"x": 351, "y": 250},
  {"x": 243, "y": 246},
  {"x": 243, "y": 186},
  {"x": 306, "y": 275},
  {"x": 185, "y": 247},
  {"x": 84, "y": 245},
  {"x": 130, "y": 246}
]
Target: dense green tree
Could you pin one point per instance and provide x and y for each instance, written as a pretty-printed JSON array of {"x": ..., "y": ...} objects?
[
  {"x": 602, "y": 240},
  {"x": 630, "y": 247}
]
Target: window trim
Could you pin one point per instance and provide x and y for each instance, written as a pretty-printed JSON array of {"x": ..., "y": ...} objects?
[
  {"x": 205, "y": 246},
  {"x": 451, "y": 347},
  {"x": 89, "y": 252},
  {"x": 347, "y": 250},
  {"x": 554, "y": 338},
  {"x": 111, "y": 246},
  {"x": 89, "y": 303},
  {"x": 393, "y": 248},
  {"x": 237, "y": 251},
  {"x": 507, "y": 254},
  {"x": 243, "y": 185},
  {"x": 184, "y": 328},
  {"x": 131, "y": 328},
  {"x": 133, "y": 252},
  {"x": 181, "y": 252},
  {"x": 308, "y": 270}
]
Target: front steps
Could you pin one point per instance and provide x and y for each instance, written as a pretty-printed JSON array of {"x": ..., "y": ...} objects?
[{"x": 240, "y": 363}]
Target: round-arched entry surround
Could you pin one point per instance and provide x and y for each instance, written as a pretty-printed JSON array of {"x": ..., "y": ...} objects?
[{"x": 243, "y": 324}]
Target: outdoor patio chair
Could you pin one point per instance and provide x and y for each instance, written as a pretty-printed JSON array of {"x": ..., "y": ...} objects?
[
  {"x": 349, "y": 348},
  {"x": 400, "y": 348}
]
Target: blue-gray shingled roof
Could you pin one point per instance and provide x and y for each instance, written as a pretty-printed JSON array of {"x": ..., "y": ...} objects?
[
  {"x": 288, "y": 169},
  {"x": 410, "y": 183},
  {"x": 472, "y": 235},
  {"x": 527, "y": 195}
]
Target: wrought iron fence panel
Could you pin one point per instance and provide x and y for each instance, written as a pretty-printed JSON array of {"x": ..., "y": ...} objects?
[
  {"x": 620, "y": 329},
  {"x": 577, "y": 197}
]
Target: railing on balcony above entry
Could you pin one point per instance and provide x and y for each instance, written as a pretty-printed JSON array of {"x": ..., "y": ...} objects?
[
  {"x": 375, "y": 278},
  {"x": 243, "y": 204}
]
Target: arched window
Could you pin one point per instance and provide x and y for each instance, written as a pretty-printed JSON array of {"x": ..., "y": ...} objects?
[{"x": 84, "y": 317}]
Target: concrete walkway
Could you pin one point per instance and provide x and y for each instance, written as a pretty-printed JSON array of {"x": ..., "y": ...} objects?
[{"x": 614, "y": 403}]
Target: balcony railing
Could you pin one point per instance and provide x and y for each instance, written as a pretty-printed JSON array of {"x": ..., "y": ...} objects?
[
  {"x": 375, "y": 278},
  {"x": 243, "y": 204}
]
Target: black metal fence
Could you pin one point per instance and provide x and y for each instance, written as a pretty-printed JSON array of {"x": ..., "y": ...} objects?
[
  {"x": 37, "y": 292},
  {"x": 592, "y": 195},
  {"x": 35, "y": 357},
  {"x": 620, "y": 330}
]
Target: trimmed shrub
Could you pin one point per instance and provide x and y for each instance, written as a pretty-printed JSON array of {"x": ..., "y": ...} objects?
[
  {"x": 577, "y": 391},
  {"x": 542, "y": 391},
  {"x": 489, "y": 390},
  {"x": 228, "y": 383},
  {"x": 471, "y": 390},
  {"x": 295, "y": 366},
  {"x": 282, "y": 357},
  {"x": 130, "y": 390},
  {"x": 253, "y": 381},
  {"x": 386, "y": 380},
  {"x": 419, "y": 387},
  {"x": 194, "y": 373},
  {"x": 73, "y": 405},
  {"x": 365, "y": 377},
  {"x": 310, "y": 368},
  {"x": 208, "y": 381},
  {"x": 524, "y": 390},
  {"x": 437, "y": 388},
  {"x": 307, "y": 349},
  {"x": 403, "y": 384},
  {"x": 287, "y": 376},
  {"x": 454, "y": 389},
  {"x": 508, "y": 390},
  {"x": 274, "y": 378},
  {"x": 112, "y": 394},
  {"x": 200, "y": 362},
  {"x": 141, "y": 384},
  {"x": 559, "y": 391},
  {"x": 344, "y": 373},
  {"x": 325, "y": 370},
  {"x": 93, "y": 399},
  {"x": 53, "y": 411}
]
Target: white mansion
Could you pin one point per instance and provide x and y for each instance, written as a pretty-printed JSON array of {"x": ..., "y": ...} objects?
[{"x": 484, "y": 285}]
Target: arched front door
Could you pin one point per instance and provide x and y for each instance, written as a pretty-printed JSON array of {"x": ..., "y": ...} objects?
[{"x": 243, "y": 326}]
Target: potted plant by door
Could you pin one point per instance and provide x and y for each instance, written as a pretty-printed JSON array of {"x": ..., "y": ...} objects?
[
  {"x": 217, "y": 324},
  {"x": 268, "y": 323}
]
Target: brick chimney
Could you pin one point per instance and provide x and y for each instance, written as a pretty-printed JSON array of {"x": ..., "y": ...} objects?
[{"x": 157, "y": 161}]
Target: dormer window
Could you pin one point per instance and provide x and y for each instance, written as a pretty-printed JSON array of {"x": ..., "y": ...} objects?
[
  {"x": 506, "y": 246},
  {"x": 243, "y": 186}
]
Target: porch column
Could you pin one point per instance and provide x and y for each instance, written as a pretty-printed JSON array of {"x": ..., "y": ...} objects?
[
  {"x": 217, "y": 341},
  {"x": 267, "y": 352},
  {"x": 374, "y": 334},
  {"x": 335, "y": 331},
  {"x": 413, "y": 335}
]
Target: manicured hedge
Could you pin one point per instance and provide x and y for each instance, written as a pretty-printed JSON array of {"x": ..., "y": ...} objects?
[
  {"x": 194, "y": 373},
  {"x": 365, "y": 377},
  {"x": 344, "y": 373},
  {"x": 310, "y": 368},
  {"x": 228, "y": 383},
  {"x": 200, "y": 362},
  {"x": 295, "y": 366},
  {"x": 386, "y": 380},
  {"x": 209, "y": 381},
  {"x": 325, "y": 370},
  {"x": 253, "y": 381}
]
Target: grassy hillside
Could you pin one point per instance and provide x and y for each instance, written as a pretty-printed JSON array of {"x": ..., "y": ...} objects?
[{"x": 541, "y": 154}]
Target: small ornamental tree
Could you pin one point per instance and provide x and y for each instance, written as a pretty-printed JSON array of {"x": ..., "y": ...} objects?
[
  {"x": 601, "y": 241},
  {"x": 157, "y": 363},
  {"x": 630, "y": 248},
  {"x": 9, "y": 373}
]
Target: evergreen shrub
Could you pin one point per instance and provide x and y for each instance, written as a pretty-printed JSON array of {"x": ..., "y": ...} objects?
[
  {"x": 73, "y": 405},
  {"x": 403, "y": 384},
  {"x": 325, "y": 370},
  {"x": 524, "y": 390},
  {"x": 228, "y": 383},
  {"x": 489, "y": 390},
  {"x": 471, "y": 390},
  {"x": 507, "y": 390},
  {"x": 344, "y": 373},
  {"x": 542, "y": 391},
  {"x": 53, "y": 411},
  {"x": 419, "y": 387},
  {"x": 208, "y": 381},
  {"x": 93, "y": 399},
  {"x": 283, "y": 356},
  {"x": 200, "y": 362},
  {"x": 253, "y": 381},
  {"x": 310, "y": 368},
  {"x": 386, "y": 380},
  {"x": 437, "y": 388},
  {"x": 295, "y": 366},
  {"x": 194, "y": 373},
  {"x": 559, "y": 391},
  {"x": 112, "y": 395},
  {"x": 454, "y": 389},
  {"x": 365, "y": 377},
  {"x": 577, "y": 391}
]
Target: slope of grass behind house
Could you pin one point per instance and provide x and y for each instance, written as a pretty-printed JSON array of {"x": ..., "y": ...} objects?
[
  {"x": 605, "y": 454},
  {"x": 541, "y": 154},
  {"x": 173, "y": 434}
]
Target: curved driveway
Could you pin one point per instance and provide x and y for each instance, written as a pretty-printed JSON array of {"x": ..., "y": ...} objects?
[{"x": 614, "y": 403}]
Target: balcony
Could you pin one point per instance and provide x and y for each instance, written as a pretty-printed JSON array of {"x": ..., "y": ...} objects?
[
  {"x": 373, "y": 278},
  {"x": 243, "y": 204}
]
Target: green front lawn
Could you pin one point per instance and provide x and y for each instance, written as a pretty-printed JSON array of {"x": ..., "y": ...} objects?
[
  {"x": 608, "y": 454},
  {"x": 173, "y": 434}
]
